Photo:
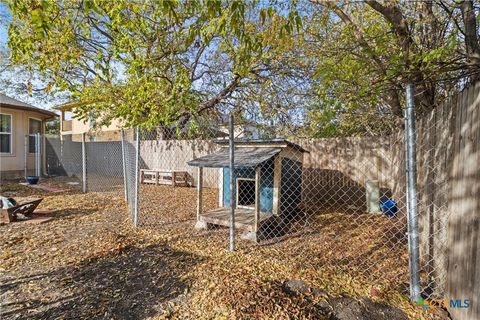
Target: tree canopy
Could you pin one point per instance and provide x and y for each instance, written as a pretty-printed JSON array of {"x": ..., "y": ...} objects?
[{"x": 316, "y": 68}]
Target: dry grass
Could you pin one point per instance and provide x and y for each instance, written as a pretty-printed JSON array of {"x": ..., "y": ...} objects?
[{"x": 91, "y": 263}]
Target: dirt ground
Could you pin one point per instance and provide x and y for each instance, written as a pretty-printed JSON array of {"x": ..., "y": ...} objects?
[{"x": 91, "y": 263}]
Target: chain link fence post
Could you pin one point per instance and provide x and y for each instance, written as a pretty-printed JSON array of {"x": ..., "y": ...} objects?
[
  {"x": 124, "y": 164},
  {"x": 137, "y": 164},
  {"x": 25, "y": 160},
  {"x": 411, "y": 170},
  {"x": 231, "y": 137},
  {"x": 84, "y": 164},
  {"x": 37, "y": 155}
]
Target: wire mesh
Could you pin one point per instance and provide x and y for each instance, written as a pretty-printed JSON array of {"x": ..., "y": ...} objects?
[
  {"x": 130, "y": 155},
  {"x": 33, "y": 154},
  {"x": 105, "y": 166},
  {"x": 337, "y": 203},
  {"x": 167, "y": 184},
  {"x": 64, "y": 158},
  {"x": 314, "y": 200}
]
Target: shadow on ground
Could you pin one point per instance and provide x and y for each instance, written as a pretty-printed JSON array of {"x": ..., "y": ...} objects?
[{"x": 132, "y": 284}]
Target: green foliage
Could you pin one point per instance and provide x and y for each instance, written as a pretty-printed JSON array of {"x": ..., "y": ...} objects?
[
  {"x": 52, "y": 127},
  {"x": 362, "y": 65},
  {"x": 148, "y": 63},
  {"x": 291, "y": 68}
]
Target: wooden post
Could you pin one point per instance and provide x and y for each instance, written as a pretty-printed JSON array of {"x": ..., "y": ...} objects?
[
  {"x": 257, "y": 198},
  {"x": 277, "y": 174},
  {"x": 62, "y": 118},
  {"x": 199, "y": 192},
  {"x": 220, "y": 188}
]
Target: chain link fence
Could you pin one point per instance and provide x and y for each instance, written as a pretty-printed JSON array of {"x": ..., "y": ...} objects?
[
  {"x": 64, "y": 158},
  {"x": 94, "y": 166},
  {"x": 335, "y": 203},
  {"x": 323, "y": 203}
]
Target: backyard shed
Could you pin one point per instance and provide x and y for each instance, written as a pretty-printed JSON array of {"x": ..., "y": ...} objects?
[{"x": 268, "y": 182}]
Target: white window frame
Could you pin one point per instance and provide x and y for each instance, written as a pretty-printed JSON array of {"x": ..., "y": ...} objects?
[
  {"x": 30, "y": 134},
  {"x": 237, "y": 193},
  {"x": 9, "y": 133}
]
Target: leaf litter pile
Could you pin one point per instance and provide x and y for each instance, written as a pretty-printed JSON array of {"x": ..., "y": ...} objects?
[{"x": 90, "y": 262}]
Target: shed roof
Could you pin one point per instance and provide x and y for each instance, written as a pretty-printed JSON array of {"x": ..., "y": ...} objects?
[
  {"x": 274, "y": 143},
  {"x": 7, "y": 102},
  {"x": 244, "y": 157}
]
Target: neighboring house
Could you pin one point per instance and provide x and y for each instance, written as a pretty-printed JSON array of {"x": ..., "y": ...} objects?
[
  {"x": 17, "y": 120},
  {"x": 73, "y": 127},
  {"x": 242, "y": 131},
  {"x": 69, "y": 125}
]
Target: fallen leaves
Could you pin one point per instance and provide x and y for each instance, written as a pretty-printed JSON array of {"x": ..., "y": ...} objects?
[{"x": 91, "y": 262}]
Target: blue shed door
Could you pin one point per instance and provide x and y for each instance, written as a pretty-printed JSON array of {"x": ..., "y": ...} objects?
[{"x": 266, "y": 184}]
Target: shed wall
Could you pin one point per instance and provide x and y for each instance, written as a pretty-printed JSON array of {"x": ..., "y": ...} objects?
[
  {"x": 290, "y": 186},
  {"x": 266, "y": 184}
]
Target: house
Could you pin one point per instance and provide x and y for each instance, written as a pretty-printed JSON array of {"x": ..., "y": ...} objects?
[
  {"x": 74, "y": 127},
  {"x": 19, "y": 122},
  {"x": 241, "y": 131},
  {"x": 268, "y": 184}
]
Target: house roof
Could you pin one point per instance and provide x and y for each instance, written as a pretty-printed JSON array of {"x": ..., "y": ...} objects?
[
  {"x": 276, "y": 142},
  {"x": 69, "y": 106},
  {"x": 7, "y": 102},
  {"x": 244, "y": 157}
]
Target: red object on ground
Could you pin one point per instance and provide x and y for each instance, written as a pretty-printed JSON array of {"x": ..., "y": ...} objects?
[
  {"x": 45, "y": 187},
  {"x": 38, "y": 220},
  {"x": 374, "y": 292}
]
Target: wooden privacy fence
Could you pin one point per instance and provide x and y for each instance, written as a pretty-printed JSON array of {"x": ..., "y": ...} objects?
[
  {"x": 448, "y": 190},
  {"x": 459, "y": 154},
  {"x": 340, "y": 166}
]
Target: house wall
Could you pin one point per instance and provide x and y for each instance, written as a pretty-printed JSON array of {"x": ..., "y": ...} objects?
[
  {"x": 13, "y": 165},
  {"x": 103, "y": 133},
  {"x": 81, "y": 126}
]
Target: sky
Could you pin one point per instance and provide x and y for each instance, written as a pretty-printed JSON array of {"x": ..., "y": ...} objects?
[
  {"x": 14, "y": 77},
  {"x": 3, "y": 25}
]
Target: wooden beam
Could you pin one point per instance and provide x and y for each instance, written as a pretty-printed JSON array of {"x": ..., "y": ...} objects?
[
  {"x": 277, "y": 174},
  {"x": 62, "y": 118},
  {"x": 199, "y": 192},
  {"x": 220, "y": 188},
  {"x": 257, "y": 197}
]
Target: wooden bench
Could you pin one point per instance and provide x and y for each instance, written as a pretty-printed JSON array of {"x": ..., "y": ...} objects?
[{"x": 163, "y": 176}]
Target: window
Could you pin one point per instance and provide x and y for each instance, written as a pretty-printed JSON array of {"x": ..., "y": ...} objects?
[
  {"x": 245, "y": 193},
  {"x": 5, "y": 133},
  {"x": 34, "y": 127}
]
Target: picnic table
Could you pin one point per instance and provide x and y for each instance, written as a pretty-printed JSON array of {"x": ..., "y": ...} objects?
[{"x": 164, "y": 176}]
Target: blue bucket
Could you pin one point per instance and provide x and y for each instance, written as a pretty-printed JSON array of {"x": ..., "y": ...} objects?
[
  {"x": 389, "y": 207},
  {"x": 32, "y": 179}
]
